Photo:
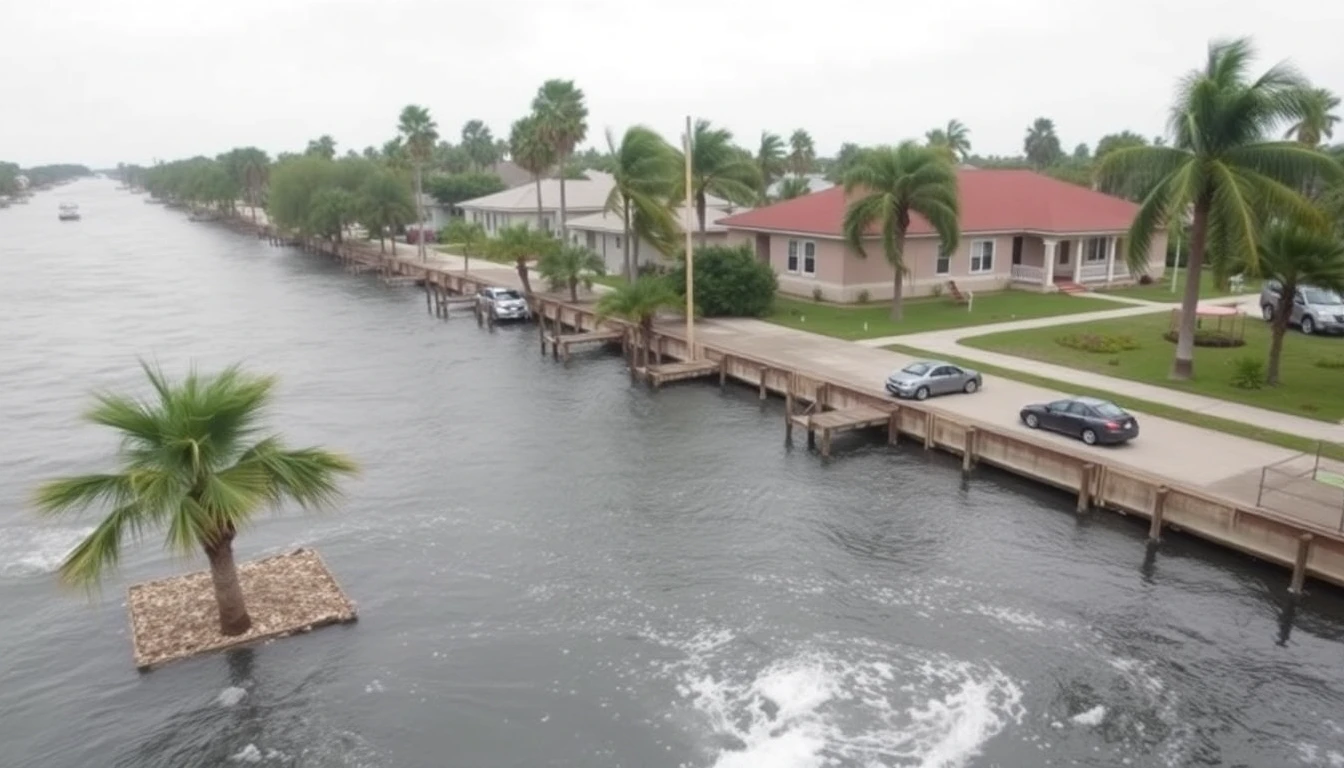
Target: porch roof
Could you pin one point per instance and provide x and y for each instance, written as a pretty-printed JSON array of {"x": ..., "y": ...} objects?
[{"x": 991, "y": 201}]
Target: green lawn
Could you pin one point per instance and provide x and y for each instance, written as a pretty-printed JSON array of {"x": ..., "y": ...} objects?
[
  {"x": 1161, "y": 410},
  {"x": 1306, "y": 390},
  {"x": 1161, "y": 289},
  {"x": 927, "y": 314}
]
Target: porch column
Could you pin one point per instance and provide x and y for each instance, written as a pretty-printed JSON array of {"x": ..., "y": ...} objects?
[
  {"x": 1050, "y": 256},
  {"x": 1110, "y": 259},
  {"x": 1078, "y": 253}
]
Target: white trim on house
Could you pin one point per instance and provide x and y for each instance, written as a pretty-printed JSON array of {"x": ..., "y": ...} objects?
[
  {"x": 796, "y": 253},
  {"x": 931, "y": 235},
  {"x": 981, "y": 257}
]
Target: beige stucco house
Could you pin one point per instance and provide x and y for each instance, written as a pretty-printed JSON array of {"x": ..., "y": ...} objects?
[
  {"x": 1018, "y": 229},
  {"x": 603, "y": 233}
]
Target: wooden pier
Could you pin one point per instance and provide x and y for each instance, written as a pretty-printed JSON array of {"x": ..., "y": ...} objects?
[
  {"x": 666, "y": 373},
  {"x": 561, "y": 343},
  {"x": 817, "y": 419}
]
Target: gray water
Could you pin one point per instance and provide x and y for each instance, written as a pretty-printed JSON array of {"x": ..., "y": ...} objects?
[{"x": 556, "y": 569}]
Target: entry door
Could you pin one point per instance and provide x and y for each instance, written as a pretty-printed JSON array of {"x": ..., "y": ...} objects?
[{"x": 1064, "y": 254}]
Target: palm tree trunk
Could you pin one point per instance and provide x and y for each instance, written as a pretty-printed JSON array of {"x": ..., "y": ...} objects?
[
  {"x": 538, "y": 179},
  {"x": 634, "y": 258},
  {"x": 564, "y": 226},
  {"x": 1277, "y": 328},
  {"x": 897, "y": 260},
  {"x": 574, "y": 290},
  {"x": 393, "y": 238},
  {"x": 523, "y": 276},
  {"x": 233, "y": 618},
  {"x": 382, "y": 241},
  {"x": 419, "y": 217},
  {"x": 700, "y": 217},
  {"x": 629, "y": 267},
  {"x": 1183, "y": 366}
]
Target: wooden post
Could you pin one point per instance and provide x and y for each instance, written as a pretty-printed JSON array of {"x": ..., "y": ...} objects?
[
  {"x": 1300, "y": 564},
  {"x": 723, "y": 370},
  {"x": 811, "y": 434},
  {"x": 658, "y": 349},
  {"x": 541, "y": 333},
  {"x": 765, "y": 370},
  {"x": 820, "y": 399},
  {"x": 555, "y": 335},
  {"x": 1159, "y": 508},
  {"x": 427, "y": 298},
  {"x": 1085, "y": 488},
  {"x": 480, "y": 321},
  {"x": 894, "y": 426},
  {"x": 788, "y": 416},
  {"x": 826, "y": 443},
  {"x": 929, "y": 422},
  {"x": 968, "y": 451}
]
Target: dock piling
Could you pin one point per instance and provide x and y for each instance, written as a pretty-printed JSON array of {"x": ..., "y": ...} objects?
[
  {"x": 1159, "y": 507},
  {"x": 894, "y": 426},
  {"x": 1085, "y": 488},
  {"x": 968, "y": 451},
  {"x": 1300, "y": 564},
  {"x": 929, "y": 421}
]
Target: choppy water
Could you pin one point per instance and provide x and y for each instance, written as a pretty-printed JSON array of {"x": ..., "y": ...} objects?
[{"x": 555, "y": 569}]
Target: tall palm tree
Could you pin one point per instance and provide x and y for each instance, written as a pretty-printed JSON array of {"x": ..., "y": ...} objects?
[
  {"x": 1316, "y": 122},
  {"x": 802, "y": 153},
  {"x": 532, "y": 154},
  {"x": 188, "y": 463},
  {"x": 1297, "y": 256},
  {"x": 893, "y": 183},
  {"x": 1042, "y": 146},
  {"x": 958, "y": 139},
  {"x": 717, "y": 168},
  {"x": 386, "y": 205},
  {"x": 562, "y": 122},
  {"x": 1222, "y": 168},
  {"x": 644, "y": 175},
  {"x": 570, "y": 266},
  {"x": 639, "y": 302},
  {"x": 521, "y": 244},
  {"x": 479, "y": 144},
  {"x": 469, "y": 236},
  {"x": 418, "y": 132},
  {"x": 769, "y": 161}
]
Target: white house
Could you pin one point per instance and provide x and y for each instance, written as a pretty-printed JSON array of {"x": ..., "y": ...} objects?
[
  {"x": 603, "y": 233},
  {"x": 519, "y": 205}
]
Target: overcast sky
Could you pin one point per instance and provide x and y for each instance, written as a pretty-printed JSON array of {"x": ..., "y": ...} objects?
[{"x": 102, "y": 81}]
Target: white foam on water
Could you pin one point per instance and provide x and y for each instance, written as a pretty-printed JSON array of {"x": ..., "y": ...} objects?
[
  {"x": 32, "y": 551},
  {"x": 859, "y": 703},
  {"x": 248, "y": 754},
  {"x": 231, "y": 696},
  {"x": 1091, "y": 717}
]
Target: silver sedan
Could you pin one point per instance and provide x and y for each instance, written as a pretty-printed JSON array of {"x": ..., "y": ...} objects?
[{"x": 932, "y": 377}]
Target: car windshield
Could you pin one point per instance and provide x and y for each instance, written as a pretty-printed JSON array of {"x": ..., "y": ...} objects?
[
  {"x": 916, "y": 369},
  {"x": 1317, "y": 296},
  {"x": 507, "y": 295},
  {"x": 1109, "y": 410}
]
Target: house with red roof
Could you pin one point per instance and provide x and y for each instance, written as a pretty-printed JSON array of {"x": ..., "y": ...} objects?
[{"x": 1019, "y": 229}]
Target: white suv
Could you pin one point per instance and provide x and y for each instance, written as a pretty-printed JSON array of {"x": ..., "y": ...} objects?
[{"x": 504, "y": 303}]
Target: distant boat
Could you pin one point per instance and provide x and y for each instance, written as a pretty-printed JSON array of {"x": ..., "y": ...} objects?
[{"x": 69, "y": 212}]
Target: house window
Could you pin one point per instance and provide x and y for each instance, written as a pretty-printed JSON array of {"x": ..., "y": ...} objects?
[
  {"x": 618, "y": 241},
  {"x": 1096, "y": 250},
  {"x": 943, "y": 266},
  {"x": 982, "y": 256},
  {"x": 809, "y": 257},
  {"x": 546, "y": 223},
  {"x": 793, "y": 256}
]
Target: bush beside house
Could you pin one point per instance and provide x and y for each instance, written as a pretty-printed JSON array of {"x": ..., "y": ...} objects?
[{"x": 729, "y": 282}]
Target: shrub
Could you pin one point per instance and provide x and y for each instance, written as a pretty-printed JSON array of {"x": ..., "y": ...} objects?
[
  {"x": 864, "y": 296},
  {"x": 1098, "y": 343},
  {"x": 817, "y": 295},
  {"x": 1146, "y": 280},
  {"x": 937, "y": 290},
  {"x": 1209, "y": 338},
  {"x": 729, "y": 282},
  {"x": 1333, "y": 365},
  {"x": 650, "y": 269},
  {"x": 1248, "y": 373}
]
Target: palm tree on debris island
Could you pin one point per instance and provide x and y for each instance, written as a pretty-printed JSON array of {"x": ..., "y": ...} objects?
[{"x": 192, "y": 459}]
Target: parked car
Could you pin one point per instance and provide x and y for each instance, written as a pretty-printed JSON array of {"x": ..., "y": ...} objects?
[
  {"x": 932, "y": 377},
  {"x": 1314, "y": 310},
  {"x": 504, "y": 303},
  {"x": 1094, "y": 421}
]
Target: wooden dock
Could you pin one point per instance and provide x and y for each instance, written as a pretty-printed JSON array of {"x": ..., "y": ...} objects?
[
  {"x": 817, "y": 419},
  {"x": 561, "y": 343},
  {"x": 665, "y": 373}
]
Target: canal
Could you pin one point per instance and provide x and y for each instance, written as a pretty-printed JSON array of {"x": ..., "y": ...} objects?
[{"x": 556, "y": 569}]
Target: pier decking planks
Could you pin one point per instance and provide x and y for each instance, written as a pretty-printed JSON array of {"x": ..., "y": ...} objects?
[
  {"x": 561, "y": 343},
  {"x": 658, "y": 375}
]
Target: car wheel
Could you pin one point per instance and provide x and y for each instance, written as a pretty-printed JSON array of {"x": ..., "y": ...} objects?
[
  {"x": 1089, "y": 437},
  {"x": 1267, "y": 312},
  {"x": 922, "y": 393},
  {"x": 971, "y": 386},
  {"x": 1308, "y": 325},
  {"x": 1032, "y": 420}
]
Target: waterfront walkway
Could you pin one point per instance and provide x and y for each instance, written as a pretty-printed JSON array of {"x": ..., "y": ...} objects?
[{"x": 1225, "y": 464}]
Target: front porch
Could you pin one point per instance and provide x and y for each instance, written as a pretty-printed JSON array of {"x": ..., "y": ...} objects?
[{"x": 1056, "y": 264}]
